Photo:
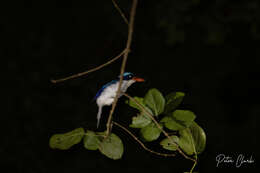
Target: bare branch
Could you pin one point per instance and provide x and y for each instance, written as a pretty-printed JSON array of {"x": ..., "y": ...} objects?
[
  {"x": 120, "y": 11},
  {"x": 127, "y": 49},
  {"x": 89, "y": 71},
  {"x": 144, "y": 147}
]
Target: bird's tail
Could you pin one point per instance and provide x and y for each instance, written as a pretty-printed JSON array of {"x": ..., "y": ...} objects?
[{"x": 99, "y": 115}]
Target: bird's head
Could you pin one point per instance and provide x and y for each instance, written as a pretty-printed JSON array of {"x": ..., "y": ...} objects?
[{"x": 131, "y": 77}]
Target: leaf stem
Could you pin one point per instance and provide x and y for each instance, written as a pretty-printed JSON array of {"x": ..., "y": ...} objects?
[
  {"x": 195, "y": 152},
  {"x": 194, "y": 164}
]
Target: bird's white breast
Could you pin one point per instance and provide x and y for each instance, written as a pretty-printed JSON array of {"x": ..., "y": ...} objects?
[{"x": 108, "y": 95}]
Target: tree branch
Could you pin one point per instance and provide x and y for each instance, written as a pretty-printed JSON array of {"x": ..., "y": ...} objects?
[
  {"x": 137, "y": 140},
  {"x": 120, "y": 11},
  {"x": 127, "y": 49},
  {"x": 89, "y": 71}
]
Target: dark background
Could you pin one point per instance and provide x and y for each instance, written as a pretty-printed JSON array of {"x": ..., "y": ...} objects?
[{"x": 207, "y": 49}]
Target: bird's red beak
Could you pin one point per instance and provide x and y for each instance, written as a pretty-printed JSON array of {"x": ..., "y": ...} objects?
[{"x": 138, "y": 79}]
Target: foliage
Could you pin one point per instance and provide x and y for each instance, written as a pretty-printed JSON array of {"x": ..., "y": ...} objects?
[
  {"x": 191, "y": 137},
  {"x": 111, "y": 146}
]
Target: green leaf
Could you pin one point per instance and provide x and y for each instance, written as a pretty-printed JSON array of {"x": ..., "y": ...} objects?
[
  {"x": 199, "y": 137},
  {"x": 178, "y": 120},
  {"x": 140, "y": 100},
  {"x": 66, "y": 140},
  {"x": 155, "y": 101},
  {"x": 91, "y": 140},
  {"x": 140, "y": 121},
  {"x": 192, "y": 139},
  {"x": 170, "y": 123},
  {"x": 112, "y": 147},
  {"x": 184, "y": 116},
  {"x": 168, "y": 144},
  {"x": 150, "y": 132},
  {"x": 186, "y": 141},
  {"x": 173, "y": 100}
]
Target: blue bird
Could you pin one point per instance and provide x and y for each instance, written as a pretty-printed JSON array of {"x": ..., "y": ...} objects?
[{"x": 106, "y": 95}]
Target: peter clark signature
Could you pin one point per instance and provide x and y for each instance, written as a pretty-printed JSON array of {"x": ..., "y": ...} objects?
[{"x": 239, "y": 161}]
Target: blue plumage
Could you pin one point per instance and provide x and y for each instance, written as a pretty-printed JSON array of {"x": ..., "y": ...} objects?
[{"x": 103, "y": 87}]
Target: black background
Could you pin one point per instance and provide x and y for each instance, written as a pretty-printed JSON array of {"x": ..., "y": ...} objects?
[{"x": 207, "y": 49}]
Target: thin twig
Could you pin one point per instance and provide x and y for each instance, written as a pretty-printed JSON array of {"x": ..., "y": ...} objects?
[
  {"x": 89, "y": 71},
  {"x": 120, "y": 11},
  {"x": 159, "y": 126},
  {"x": 137, "y": 140},
  {"x": 127, "y": 49}
]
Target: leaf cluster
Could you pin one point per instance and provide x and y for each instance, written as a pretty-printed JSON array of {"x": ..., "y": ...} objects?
[
  {"x": 111, "y": 146},
  {"x": 190, "y": 137}
]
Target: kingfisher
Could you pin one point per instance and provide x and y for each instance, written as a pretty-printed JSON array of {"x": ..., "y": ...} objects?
[{"x": 106, "y": 95}]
